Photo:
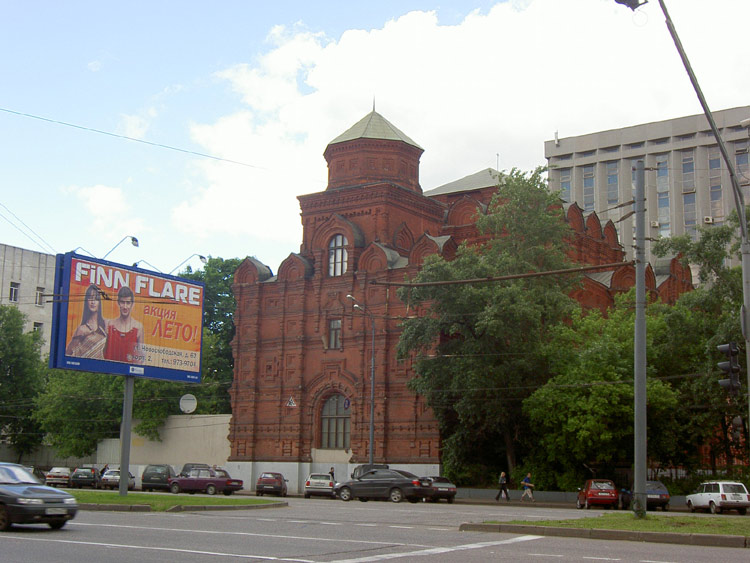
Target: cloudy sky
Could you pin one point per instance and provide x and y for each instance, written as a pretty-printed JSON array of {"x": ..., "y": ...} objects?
[{"x": 263, "y": 87}]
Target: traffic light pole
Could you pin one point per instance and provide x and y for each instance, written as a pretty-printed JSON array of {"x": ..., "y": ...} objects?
[{"x": 739, "y": 199}]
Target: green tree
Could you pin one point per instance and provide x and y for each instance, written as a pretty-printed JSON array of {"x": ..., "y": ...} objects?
[
  {"x": 479, "y": 347},
  {"x": 582, "y": 418},
  {"x": 20, "y": 381}
]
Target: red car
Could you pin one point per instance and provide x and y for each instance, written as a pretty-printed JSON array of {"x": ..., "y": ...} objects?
[
  {"x": 598, "y": 492},
  {"x": 210, "y": 481},
  {"x": 271, "y": 483}
]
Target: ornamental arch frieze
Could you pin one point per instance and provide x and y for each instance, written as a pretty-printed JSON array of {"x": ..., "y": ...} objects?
[{"x": 465, "y": 211}]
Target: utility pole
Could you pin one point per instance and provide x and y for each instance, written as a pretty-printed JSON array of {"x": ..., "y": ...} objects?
[{"x": 639, "y": 345}]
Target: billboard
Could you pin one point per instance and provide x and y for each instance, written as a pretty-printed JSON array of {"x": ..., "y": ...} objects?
[{"x": 122, "y": 320}]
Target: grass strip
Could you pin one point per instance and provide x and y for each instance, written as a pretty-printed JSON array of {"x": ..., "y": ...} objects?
[
  {"x": 652, "y": 523},
  {"x": 163, "y": 502}
]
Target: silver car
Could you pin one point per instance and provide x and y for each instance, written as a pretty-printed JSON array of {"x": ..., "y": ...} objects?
[
  {"x": 716, "y": 496},
  {"x": 319, "y": 484},
  {"x": 111, "y": 480}
]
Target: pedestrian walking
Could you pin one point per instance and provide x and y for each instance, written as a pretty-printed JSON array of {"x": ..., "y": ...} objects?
[
  {"x": 528, "y": 488},
  {"x": 333, "y": 477},
  {"x": 502, "y": 487}
]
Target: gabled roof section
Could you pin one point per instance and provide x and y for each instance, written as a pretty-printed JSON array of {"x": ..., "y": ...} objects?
[
  {"x": 483, "y": 179},
  {"x": 374, "y": 126}
]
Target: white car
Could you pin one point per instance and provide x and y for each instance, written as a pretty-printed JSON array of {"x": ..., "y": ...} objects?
[
  {"x": 716, "y": 496},
  {"x": 319, "y": 484},
  {"x": 57, "y": 477},
  {"x": 111, "y": 480}
]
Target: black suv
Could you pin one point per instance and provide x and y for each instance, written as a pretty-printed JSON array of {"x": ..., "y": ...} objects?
[
  {"x": 85, "y": 477},
  {"x": 156, "y": 477},
  {"x": 362, "y": 469}
]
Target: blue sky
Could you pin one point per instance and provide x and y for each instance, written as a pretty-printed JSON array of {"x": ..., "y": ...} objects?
[{"x": 270, "y": 84}]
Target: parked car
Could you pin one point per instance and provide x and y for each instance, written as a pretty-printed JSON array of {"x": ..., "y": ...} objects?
[
  {"x": 362, "y": 469},
  {"x": 58, "y": 477},
  {"x": 273, "y": 483},
  {"x": 208, "y": 480},
  {"x": 85, "y": 477},
  {"x": 598, "y": 492},
  {"x": 156, "y": 477},
  {"x": 716, "y": 496},
  {"x": 440, "y": 487},
  {"x": 657, "y": 496},
  {"x": 23, "y": 500},
  {"x": 393, "y": 484},
  {"x": 111, "y": 480},
  {"x": 319, "y": 484},
  {"x": 188, "y": 467}
]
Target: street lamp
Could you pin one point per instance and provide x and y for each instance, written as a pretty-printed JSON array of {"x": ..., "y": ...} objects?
[
  {"x": 135, "y": 265},
  {"x": 77, "y": 248},
  {"x": 133, "y": 241},
  {"x": 200, "y": 257},
  {"x": 365, "y": 311}
]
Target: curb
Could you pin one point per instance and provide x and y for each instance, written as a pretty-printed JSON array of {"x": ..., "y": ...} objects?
[
  {"x": 710, "y": 540},
  {"x": 176, "y": 508}
]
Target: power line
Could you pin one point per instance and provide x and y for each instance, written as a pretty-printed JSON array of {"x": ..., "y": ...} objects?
[{"x": 160, "y": 145}]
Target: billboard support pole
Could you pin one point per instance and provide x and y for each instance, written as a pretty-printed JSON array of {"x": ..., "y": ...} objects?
[{"x": 127, "y": 418}]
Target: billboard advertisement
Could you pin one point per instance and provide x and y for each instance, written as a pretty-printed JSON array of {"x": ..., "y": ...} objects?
[{"x": 121, "y": 320}]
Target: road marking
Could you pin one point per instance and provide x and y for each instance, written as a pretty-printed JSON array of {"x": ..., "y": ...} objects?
[
  {"x": 545, "y": 555},
  {"x": 602, "y": 558},
  {"x": 248, "y": 534},
  {"x": 442, "y": 529},
  {"x": 168, "y": 549},
  {"x": 367, "y": 525},
  {"x": 437, "y": 550},
  {"x": 402, "y": 527}
]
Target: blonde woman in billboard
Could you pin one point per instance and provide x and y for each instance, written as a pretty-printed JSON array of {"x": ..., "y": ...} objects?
[
  {"x": 90, "y": 337},
  {"x": 124, "y": 334}
]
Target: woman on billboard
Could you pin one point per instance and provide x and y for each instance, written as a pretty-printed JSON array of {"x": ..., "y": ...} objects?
[
  {"x": 124, "y": 334},
  {"x": 90, "y": 337}
]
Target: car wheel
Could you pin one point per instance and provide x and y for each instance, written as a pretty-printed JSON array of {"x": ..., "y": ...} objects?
[
  {"x": 345, "y": 494},
  {"x": 450, "y": 500},
  {"x": 713, "y": 509},
  {"x": 283, "y": 494},
  {"x": 307, "y": 495},
  {"x": 56, "y": 525},
  {"x": 588, "y": 506},
  {"x": 396, "y": 495},
  {"x": 579, "y": 506},
  {"x": 691, "y": 508},
  {"x": 742, "y": 511},
  {"x": 211, "y": 489},
  {"x": 665, "y": 507},
  {"x": 5, "y": 522},
  {"x": 145, "y": 489},
  {"x": 174, "y": 488}
]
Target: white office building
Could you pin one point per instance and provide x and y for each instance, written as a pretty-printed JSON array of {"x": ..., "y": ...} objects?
[
  {"x": 28, "y": 279},
  {"x": 687, "y": 182}
]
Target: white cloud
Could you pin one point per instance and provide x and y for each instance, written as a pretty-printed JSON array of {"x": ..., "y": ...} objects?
[{"x": 501, "y": 82}]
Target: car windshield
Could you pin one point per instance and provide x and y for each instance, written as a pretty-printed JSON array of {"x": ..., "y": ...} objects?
[
  {"x": 406, "y": 474},
  {"x": 322, "y": 476},
  {"x": 603, "y": 485},
  {"x": 655, "y": 486},
  {"x": 16, "y": 475},
  {"x": 268, "y": 476},
  {"x": 735, "y": 488},
  {"x": 440, "y": 479}
]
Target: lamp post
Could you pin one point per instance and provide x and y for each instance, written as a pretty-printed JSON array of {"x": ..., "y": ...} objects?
[
  {"x": 365, "y": 311},
  {"x": 133, "y": 241},
  {"x": 77, "y": 248},
  {"x": 135, "y": 265},
  {"x": 200, "y": 257}
]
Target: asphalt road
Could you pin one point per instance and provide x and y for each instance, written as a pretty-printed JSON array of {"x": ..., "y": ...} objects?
[{"x": 320, "y": 530}]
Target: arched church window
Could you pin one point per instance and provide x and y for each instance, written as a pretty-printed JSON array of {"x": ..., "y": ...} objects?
[
  {"x": 335, "y": 426},
  {"x": 337, "y": 255}
]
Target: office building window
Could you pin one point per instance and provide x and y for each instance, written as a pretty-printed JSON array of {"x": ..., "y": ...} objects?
[
  {"x": 334, "y": 333},
  {"x": 741, "y": 160},
  {"x": 588, "y": 188},
  {"x": 337, "y": 255},
  {"x": 15, "y": 288},
  {"x": 689, "y": 215},
  {"x": 613, "y": 171},
  {"x": 39, "y": 300},
  {"x": 565, "y": 192},
  {"x": 714, "y": 183},
  {"x": 688, "y": 171},
  {"x": 334, "y": 423},
  {"x": 662, "y": 194}
]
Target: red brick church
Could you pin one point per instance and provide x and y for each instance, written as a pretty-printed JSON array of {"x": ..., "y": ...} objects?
[{"x": 301, "y": 390}]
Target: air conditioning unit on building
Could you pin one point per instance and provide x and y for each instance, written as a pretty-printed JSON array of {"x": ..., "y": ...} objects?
[
  {"x": 708, "y": 220},
  {"x": 654, "y": 223}
]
